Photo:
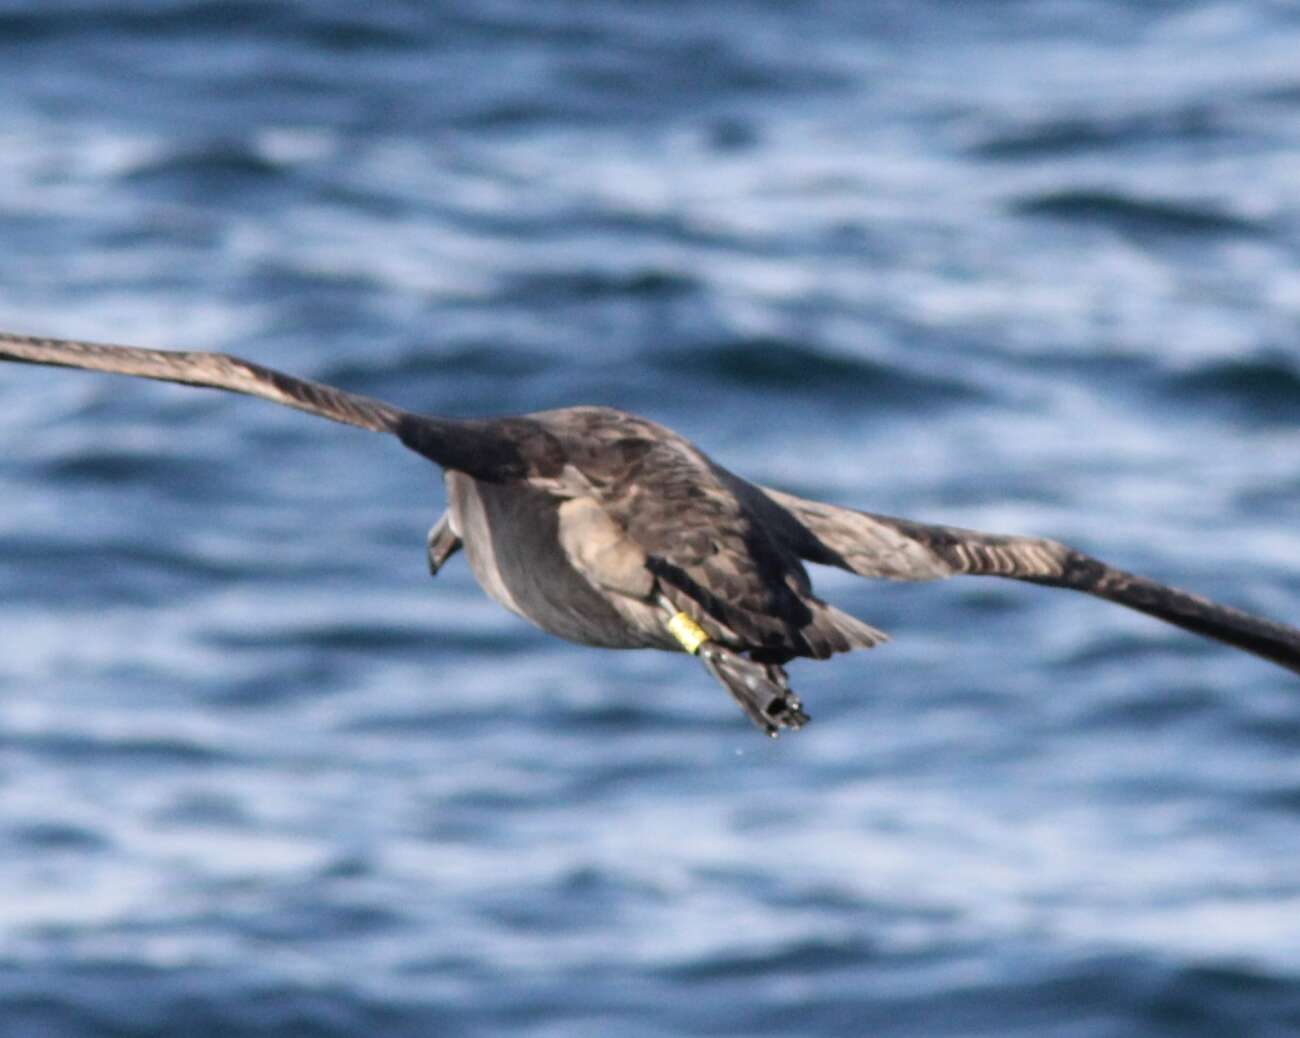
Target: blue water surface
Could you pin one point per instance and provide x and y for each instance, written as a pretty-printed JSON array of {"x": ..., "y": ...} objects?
[{"x": 1024, "y": 267}]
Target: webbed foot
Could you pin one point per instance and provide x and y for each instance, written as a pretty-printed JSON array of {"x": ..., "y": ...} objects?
[
  {"x": 761, "y": 689},
  {"x": 442, "y": 543}
]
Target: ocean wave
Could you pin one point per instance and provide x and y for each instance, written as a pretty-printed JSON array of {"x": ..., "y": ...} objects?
[
  {"x": 213, "y": 168},
  {"x": 774, "y": 364},
  {"x": 107, "y": 465},
  {"x": 586, "y": 285},
  {"x": 46, "y": 836},
  {"x": 1067, "y": 135},
  {"x": 1128, "y": 212},
  {"x": 1259, "y": 390},
  {"x": 454, "y": 370},
  {"x": 117, "y": 748}
]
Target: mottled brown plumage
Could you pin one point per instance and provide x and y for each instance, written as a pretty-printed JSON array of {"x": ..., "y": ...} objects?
[{"x": 602, "y": 527}]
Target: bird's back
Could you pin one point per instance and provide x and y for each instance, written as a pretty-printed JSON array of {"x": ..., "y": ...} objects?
[{"x": 699, "y": 532}]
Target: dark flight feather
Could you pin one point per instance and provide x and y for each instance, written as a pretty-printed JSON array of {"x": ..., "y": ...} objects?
[
  {"x": 213, "y": 370},
  {"x": 901, "y": 549}
]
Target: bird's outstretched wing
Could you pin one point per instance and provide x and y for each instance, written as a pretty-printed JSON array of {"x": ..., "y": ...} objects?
[
  {"x": 215, "y": 370},
  {"x": 900, "y": 549},
  {"x": 486, "y": 448}
]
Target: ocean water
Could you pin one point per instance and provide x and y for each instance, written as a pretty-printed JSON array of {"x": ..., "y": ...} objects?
[{"x": 1024, "y": 267}]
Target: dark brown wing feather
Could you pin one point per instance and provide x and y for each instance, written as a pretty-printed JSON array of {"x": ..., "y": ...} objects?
[
  {"x": 215, "y": 370},
  {"x": 491, "y": 449},
  {"x": 900, "y": 549}
]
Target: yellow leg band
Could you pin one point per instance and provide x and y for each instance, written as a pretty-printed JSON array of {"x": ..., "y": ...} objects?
[{"x": 687, "y": 632}]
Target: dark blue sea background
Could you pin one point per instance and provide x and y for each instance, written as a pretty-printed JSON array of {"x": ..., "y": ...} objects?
[{"x": 1023, "y": 267}]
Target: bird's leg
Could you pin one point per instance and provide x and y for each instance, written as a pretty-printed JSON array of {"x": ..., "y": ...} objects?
[
  {"x": 761, "y": 689},
  {"x": 443, "y": 542}
]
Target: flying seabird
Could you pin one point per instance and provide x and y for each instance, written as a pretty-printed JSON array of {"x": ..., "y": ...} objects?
[{"x": 610, "y": 530}]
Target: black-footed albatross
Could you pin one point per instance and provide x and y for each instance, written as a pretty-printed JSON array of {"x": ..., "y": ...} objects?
[{"x": 609, "y": 530}]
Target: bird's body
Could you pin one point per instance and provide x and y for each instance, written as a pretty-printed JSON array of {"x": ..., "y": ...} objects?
[
  {"x": 610, "y": 530},
  {"x": 512, "y": 540},
  {"x": 631, "y": 512}
]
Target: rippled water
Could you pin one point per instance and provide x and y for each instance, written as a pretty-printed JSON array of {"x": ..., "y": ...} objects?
[{"x": 1023, "y": 267}]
